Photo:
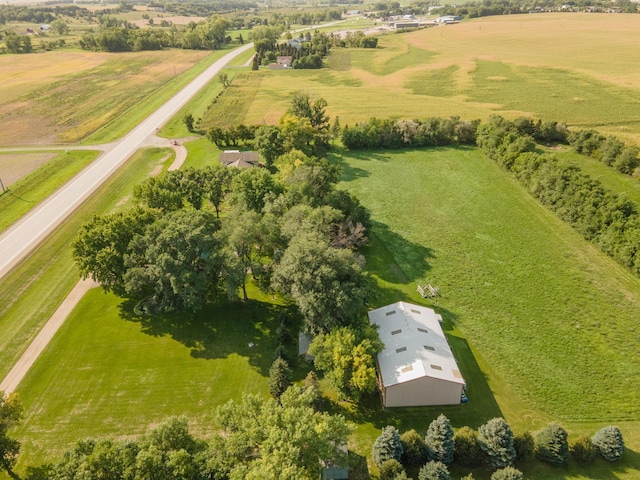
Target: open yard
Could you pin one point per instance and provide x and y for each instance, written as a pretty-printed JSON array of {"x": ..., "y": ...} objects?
[{"x": 584, "y": 70}]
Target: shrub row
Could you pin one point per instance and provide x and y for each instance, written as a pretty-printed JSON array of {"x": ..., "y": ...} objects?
[
  {"x": 493, "y": 445},
  {"x": 607, "y": 149}
]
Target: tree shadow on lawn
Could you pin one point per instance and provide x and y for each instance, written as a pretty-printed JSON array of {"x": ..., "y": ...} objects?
[
  {"x": 244, "y": 328},
  {"x": 395, "y": 259}
]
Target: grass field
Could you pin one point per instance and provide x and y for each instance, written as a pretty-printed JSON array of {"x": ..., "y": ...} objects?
[
  {"x": 584, "y": 70},
  {"x": 33, "y": 291},
  {"x": 30, "y": 190}
]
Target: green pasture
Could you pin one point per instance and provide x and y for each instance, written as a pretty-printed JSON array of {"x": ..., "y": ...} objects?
[
  {"x": 35, "y": 289},
  {"x": 548, "y": 312},
  {"x": 42, "y": 182}
]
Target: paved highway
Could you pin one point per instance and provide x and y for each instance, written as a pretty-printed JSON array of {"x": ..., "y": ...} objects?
[{"x": 19, "y": 240}]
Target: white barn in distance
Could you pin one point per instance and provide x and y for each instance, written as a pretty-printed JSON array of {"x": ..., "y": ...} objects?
[{"x": 416, "y": 367}]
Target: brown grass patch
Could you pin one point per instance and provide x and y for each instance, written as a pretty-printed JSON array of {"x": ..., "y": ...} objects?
[
  {"x": 58, "y": 97},
  {"x": 15, "y": 166}
]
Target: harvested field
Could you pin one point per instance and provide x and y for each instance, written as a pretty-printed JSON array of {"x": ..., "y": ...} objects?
[
  {"x": 15, "y": 166},
  {"x": 60, "y": 97}
]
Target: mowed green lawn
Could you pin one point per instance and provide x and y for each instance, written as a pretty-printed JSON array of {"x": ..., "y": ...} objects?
[{"x": 111, "y": 373}]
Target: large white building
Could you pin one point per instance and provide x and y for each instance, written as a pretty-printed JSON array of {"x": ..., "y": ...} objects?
[{"x": 416, "y": 367}]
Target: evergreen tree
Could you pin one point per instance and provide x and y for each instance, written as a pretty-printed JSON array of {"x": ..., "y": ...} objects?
[
  {"x": 552, "y": 445},
  {"x": 279, "y": 377},
  {"x": 439, "y": 440},
  {"x": 496, "y": 440},
  {"x": 609, "y": 443},
  {"x": 387, "y": 446}
]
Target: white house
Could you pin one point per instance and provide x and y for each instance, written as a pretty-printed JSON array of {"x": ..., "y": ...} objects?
[{"x": 416, "y": 367}]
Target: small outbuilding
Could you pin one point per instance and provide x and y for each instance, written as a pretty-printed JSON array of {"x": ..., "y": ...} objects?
[{"x": 416, "y": 367}]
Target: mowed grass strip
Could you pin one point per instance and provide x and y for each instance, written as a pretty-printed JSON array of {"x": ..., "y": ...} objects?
[
  {"x": 111, "y": 373},
  {"x": 31, "y": 293},
  {"x": 28, "y": 192},
  {"x": 552, "y": 316}
]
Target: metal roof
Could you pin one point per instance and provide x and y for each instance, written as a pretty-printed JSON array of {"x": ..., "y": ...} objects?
[{"x": 415, "y": 345}]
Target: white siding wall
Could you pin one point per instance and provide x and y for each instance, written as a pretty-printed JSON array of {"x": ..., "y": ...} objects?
[{"x": 423, "y": 391}]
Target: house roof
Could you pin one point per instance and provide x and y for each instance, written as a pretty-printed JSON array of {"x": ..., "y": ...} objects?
[
  {"x": 414, "y": 345},
  {"x": 236, "y": 158}
]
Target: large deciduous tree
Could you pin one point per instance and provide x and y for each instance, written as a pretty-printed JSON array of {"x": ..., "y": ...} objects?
[
  {"x": 177, "y": 263},
  {"x": 10, "y": 416},
  {"x": 347, "y": 359},
  {"x": 102, "y": 243},
  {"x": 251, "y": 187},
  {"x": 275, "y": 441},
  {"x": 327, "y": 284}
]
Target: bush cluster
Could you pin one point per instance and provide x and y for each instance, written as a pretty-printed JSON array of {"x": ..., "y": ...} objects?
[{"x": 607, "y": 149}]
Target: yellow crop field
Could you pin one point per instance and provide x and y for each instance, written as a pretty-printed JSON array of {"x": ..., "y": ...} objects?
[
  {"x": 59, "y": 97},
  {"x": 578, "y": 68}
]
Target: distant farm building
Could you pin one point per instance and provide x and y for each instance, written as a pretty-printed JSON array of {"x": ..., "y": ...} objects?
[
  {"x": 416, "y": 367},
  {"x": 448, "y": 19},
  {"x": 236, "y": 158}
]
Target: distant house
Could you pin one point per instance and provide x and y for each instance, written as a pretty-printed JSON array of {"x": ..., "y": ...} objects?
[
  {"x": 236, "y": 158},
  {"x": 416, "y": 367},
  {"x": 284, "y": 60},
  {"x": 45, "y": 28},
  {"x": 29, "y": 30}
]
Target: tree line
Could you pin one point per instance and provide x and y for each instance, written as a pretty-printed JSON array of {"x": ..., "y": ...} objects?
[
  {"x": 493, "y": 445},
  {"x": 245, "y": 441},
  {"x": 115, "y": 35}
]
